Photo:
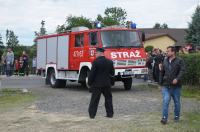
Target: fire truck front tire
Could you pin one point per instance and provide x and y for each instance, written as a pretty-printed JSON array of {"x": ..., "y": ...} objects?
[
  {"x": 56, "y": 83},
  {"x": 127, "y": 83},
  {"x": 85, "y": 83}
]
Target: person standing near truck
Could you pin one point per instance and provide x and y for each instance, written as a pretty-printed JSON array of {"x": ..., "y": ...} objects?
[
  {"x": 170, "y": 79},
  {"x": 100, "y": 81}
]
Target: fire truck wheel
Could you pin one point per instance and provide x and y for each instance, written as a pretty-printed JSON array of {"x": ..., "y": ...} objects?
[
  {"x": 56, "y": 83},
  {"x": 85, "y": 83},
  {"x": 47, "y": 79},
  {"x": 127, "y": 83}
]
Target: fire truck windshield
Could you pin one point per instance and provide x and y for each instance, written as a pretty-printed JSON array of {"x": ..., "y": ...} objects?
[{"x": 120, "y": 38}]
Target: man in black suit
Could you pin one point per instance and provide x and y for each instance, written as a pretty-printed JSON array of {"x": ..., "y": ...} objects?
[{"x": 100, "y": 81}]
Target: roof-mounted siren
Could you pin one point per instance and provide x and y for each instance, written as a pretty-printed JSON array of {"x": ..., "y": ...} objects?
[
  {"x": 131, "y": 25},
  {"x": 98, "y": 25},
  {"x": 77, "y": 29}
]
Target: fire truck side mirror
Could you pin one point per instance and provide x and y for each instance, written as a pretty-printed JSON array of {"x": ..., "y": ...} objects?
[{"x": 143, "y": 36}]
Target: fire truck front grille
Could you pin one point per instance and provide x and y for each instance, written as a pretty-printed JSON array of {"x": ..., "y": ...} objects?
[
  {"x": 121, "y": 63},
  {"x": 125, "y": 63}
]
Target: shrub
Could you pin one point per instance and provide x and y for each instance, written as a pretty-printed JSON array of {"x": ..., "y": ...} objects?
[
  {"x": 149, "y": 48},
  {"x": 192, "y": 64}
]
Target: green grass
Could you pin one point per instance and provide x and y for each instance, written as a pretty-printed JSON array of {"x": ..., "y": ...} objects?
[
  {"x": 142, "y": 122},
  {"x": 191, "y": 92},
  {"x": 144, "y": 87},
  {"x": 187, "y": 90},
  {"x": 189, "y": 123},
  {"x": 14, "y": 97}
]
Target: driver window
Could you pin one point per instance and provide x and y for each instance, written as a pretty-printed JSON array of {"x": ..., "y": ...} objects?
[
  {"x": 79, "y": 40},
  {"x": 93, "y": 38}
]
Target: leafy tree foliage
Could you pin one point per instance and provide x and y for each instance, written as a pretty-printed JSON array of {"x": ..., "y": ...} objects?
[
  {"x": 193, "y": 32},
  {"x": 112, "y": 16},
  {"x": 116, "y": 14},
  {"x": 11, "y": 39},
  {"x": 74, "y": 21},
  {"x": 2, "y": 47},
  {"x": 159, "y": 26},
  {"x": 42, "y": 31},
  {"x": 149, "y": 48}
]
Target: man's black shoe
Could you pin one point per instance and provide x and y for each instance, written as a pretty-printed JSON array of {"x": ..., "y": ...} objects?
[
  {"x": 164, "y": 121},
  {"x": 91, "y": 117},
  {"x": 176, "y": 119},
  {"x": 109, "y": 116}
]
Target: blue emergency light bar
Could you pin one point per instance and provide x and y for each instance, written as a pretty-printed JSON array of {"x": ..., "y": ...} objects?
[
  {"x": 98, "y": 25},
  {"x": 133, "y": 25}
]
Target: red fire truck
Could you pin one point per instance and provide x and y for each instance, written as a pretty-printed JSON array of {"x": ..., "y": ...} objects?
[{"x": 69, "y": 56}]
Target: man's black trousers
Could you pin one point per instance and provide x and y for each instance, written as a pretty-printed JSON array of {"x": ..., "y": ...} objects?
[{"x": 94, "y": 102}]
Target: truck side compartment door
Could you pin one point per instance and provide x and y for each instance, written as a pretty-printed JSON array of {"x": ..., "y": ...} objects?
[{"x": 76, "y": 50}]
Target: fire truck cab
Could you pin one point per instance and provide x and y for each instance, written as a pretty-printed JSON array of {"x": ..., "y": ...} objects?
[{"x": 69, "y": 56}]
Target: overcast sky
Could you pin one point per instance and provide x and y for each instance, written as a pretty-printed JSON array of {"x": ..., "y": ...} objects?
[{"x": 24, "y": 16}]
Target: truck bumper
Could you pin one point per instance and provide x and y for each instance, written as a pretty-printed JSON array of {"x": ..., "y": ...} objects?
[{"x": 131, "y": 72}]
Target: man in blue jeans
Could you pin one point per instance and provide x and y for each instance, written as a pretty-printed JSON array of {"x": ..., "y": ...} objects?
[{"x": 171, "y": 72}]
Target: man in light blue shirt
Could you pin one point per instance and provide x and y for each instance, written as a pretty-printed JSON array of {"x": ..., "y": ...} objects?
[{"x": 9, "y": 62}]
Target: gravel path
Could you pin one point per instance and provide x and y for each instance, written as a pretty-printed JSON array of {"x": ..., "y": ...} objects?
[
  {"x": 75, "y": 100},
  {"x": 65, "y": 110}
]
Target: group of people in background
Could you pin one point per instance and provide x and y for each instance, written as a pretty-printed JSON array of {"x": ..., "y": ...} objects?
[
  {"x": 154, "y": 58},
  {"x": 11, "y": 65},
  {"x": 21, "y": 66},
  {"x": 157, "y": 56}
]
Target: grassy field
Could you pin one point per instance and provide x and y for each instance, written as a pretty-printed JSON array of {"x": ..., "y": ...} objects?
[
  {"x": 191, "y": 92},
  {"x": 14, "y": 97},
  {"x": 149, "y": 122},
  {"x": 187, "y": 90}
]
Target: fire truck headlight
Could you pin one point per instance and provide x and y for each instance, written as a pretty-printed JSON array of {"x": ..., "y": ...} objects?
[{"x": 144, "y": 71}]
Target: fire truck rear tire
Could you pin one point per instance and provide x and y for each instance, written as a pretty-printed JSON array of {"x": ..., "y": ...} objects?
[
  {"x": 56, "y": 83},
  {"x": 127, "y": 83}
]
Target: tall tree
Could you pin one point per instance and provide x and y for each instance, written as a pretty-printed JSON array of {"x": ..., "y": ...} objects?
[
  {"x": 42, "y": 31},
  {"x": 1, "y": 41},
  {"x": 159, "y": 26},
  {"x": 116, "y": 14},
  {"x": 61, "y": 29},
  {"x": 7, "y": 35},
  {"x": 33, "y": 50},
  {"x": 11, "y": 39},
  {"x": 113, "y": 16},
  {"x": 107, "y": 21},
  {"x": 164, "y": 26},
  {"x": 193, "y": 32},
  {"x": 74, "y": 21},
  {"x": 1, "y": 46},
  {"x": 99, "y": 18}
]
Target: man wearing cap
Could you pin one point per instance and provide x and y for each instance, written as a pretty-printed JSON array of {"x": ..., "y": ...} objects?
[{"x": 100, "y": 81}]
